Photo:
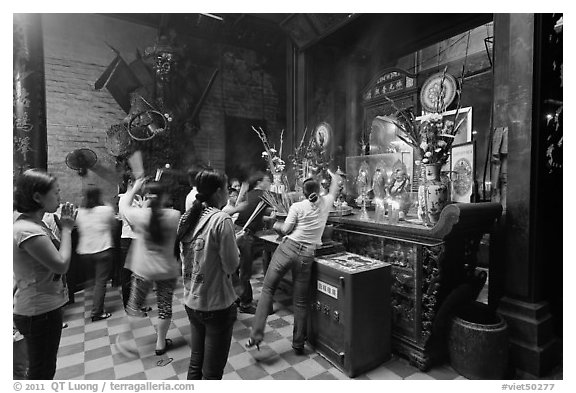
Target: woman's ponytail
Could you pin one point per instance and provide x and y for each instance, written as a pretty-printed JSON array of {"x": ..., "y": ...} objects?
[
  {"x": 207, "y": 183},
  {"x": 313, "y": 197},
  {"x": 154, "y": 194},
  {"x": 311, "y": 189}
]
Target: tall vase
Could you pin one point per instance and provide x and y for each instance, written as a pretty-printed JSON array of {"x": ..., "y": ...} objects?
[
  {"x": 436, "y": 193},
  {"x": 421, "y": 196}
]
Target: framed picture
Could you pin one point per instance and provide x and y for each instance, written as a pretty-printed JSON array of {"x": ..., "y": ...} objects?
[
  {"x": 464, "y": 134},
  {"x": 462, "y": 167}
]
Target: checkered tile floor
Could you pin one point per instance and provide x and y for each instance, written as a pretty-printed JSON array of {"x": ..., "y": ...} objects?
[{"x": 87, "y": 348}]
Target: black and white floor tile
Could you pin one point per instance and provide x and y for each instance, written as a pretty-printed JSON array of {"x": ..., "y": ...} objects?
[{"x": 87, "y": 349}]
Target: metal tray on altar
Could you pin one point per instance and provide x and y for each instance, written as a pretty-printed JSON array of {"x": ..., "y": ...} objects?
[{"x": 342, "y": 211}]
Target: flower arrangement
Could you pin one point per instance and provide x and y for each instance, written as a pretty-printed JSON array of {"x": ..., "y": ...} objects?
[
  {"x": 309, "y": 159},
  {"x": 274, "y": 158},
  {"x": 431, "y": 135},
  {"x": 299, "y": 154}
]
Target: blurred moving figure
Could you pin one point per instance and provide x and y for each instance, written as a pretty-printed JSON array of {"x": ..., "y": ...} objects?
[
  {"x": 257, "y": 184},
  {"x": 151, "y": 259},
  {"x": 126, "y": 238},
  {"x": 95, "y": 222},
  {"x": 230, "y": 206},
  {"x": 191, "y": 197}
]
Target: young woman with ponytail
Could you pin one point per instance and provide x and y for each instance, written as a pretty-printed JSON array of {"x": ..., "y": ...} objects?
[
  {"x": 151, "y": 257},
  {"x": 303, "y": 228},
  {"x": 210, "y": 256}
]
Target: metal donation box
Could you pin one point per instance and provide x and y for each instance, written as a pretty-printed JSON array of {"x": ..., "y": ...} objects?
[{"x": 350, "y": 321}]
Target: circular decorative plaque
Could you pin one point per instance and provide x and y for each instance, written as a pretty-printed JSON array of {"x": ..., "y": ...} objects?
[{"x": 430, "y": 93}]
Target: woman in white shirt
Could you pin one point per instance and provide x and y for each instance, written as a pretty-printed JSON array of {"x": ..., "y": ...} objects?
[
  {"x": 126, "y": 237},
  {"x": 95, "y": 222},
  {"x": 303, "y": 228}
]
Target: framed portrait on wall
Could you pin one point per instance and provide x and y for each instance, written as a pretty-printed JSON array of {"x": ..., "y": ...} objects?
[
  {"x": 462, "y": 167},
  {"x": 464, "y": 133}
]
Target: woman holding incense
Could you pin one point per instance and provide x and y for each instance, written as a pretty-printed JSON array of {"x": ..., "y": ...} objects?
[
  {"x": 303, "y": 228},
  {"x": 250, "y": 220}
]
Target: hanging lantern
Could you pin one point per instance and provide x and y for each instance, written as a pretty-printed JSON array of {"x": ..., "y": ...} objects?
[{"x": 165, "y": 57}]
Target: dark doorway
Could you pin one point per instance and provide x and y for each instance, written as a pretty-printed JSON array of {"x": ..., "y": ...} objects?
[{"x": 243, "y": 147}]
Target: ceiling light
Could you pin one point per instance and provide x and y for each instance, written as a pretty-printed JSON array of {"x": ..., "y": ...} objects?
[{"x": 213, "y": 16}]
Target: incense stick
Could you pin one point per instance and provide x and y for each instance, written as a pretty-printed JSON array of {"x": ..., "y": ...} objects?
[
  {"x": 259, "y": 208},
  {"x": 280, "y": 202}
]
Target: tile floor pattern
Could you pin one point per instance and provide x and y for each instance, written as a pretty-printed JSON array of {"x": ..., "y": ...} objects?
[{"x": 87, "y": 349}]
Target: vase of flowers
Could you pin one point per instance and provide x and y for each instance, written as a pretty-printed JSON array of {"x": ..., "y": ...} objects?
[
  {"x": 310, "y": 159},
  {"x": 431, "y": 136},
  {"x": 276, "y": 164}
]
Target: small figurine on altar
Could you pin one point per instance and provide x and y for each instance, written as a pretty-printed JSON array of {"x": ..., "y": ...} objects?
[
  {"x": 324, "y": 186},
  {"x": 379, "y": 184},
  {"x": 399, "y": 188},
  {"x": 362, "y": 182}
]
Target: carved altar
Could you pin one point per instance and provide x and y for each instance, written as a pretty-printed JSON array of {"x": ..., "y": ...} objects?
[{"x": 428, "y": 264}]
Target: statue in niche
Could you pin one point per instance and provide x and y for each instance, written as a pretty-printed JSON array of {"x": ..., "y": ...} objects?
[
  {"x": 379, "y": 181},
  {"x": 399, "y": 187},
  {"x": 362, "y": 181}
]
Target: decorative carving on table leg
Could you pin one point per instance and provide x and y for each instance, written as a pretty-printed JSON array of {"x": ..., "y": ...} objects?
[
  {"x": 403, "y": 302},
  {"x": 415, "y": 355},
  {"x": 420, "y": 360},
  {"x": 430, "y": 287}
]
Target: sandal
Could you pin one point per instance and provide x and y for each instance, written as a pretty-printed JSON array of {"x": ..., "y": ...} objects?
[
  {"x": 160, "y": 352},
  {"x": 100, "y": 317},
  {"x": 252, "y": 342}
]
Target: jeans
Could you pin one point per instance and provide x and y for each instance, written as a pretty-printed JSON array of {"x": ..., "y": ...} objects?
[
  {"x": 102, "y": 262},
  {"x": 211, "y": 339},
  {"x": 42, "y": 334},
  {"x": 244, "y": 292},
  {"x": 299, "y": 258}
]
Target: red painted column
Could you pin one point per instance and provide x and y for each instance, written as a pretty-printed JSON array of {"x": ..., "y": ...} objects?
[{"x": 29, "y": 96}]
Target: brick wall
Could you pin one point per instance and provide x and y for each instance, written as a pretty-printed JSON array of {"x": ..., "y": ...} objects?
[{"x": 78, "y": 116}]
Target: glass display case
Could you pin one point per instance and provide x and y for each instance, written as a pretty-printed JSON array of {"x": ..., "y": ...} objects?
[{"x": 380, "y": 182}]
